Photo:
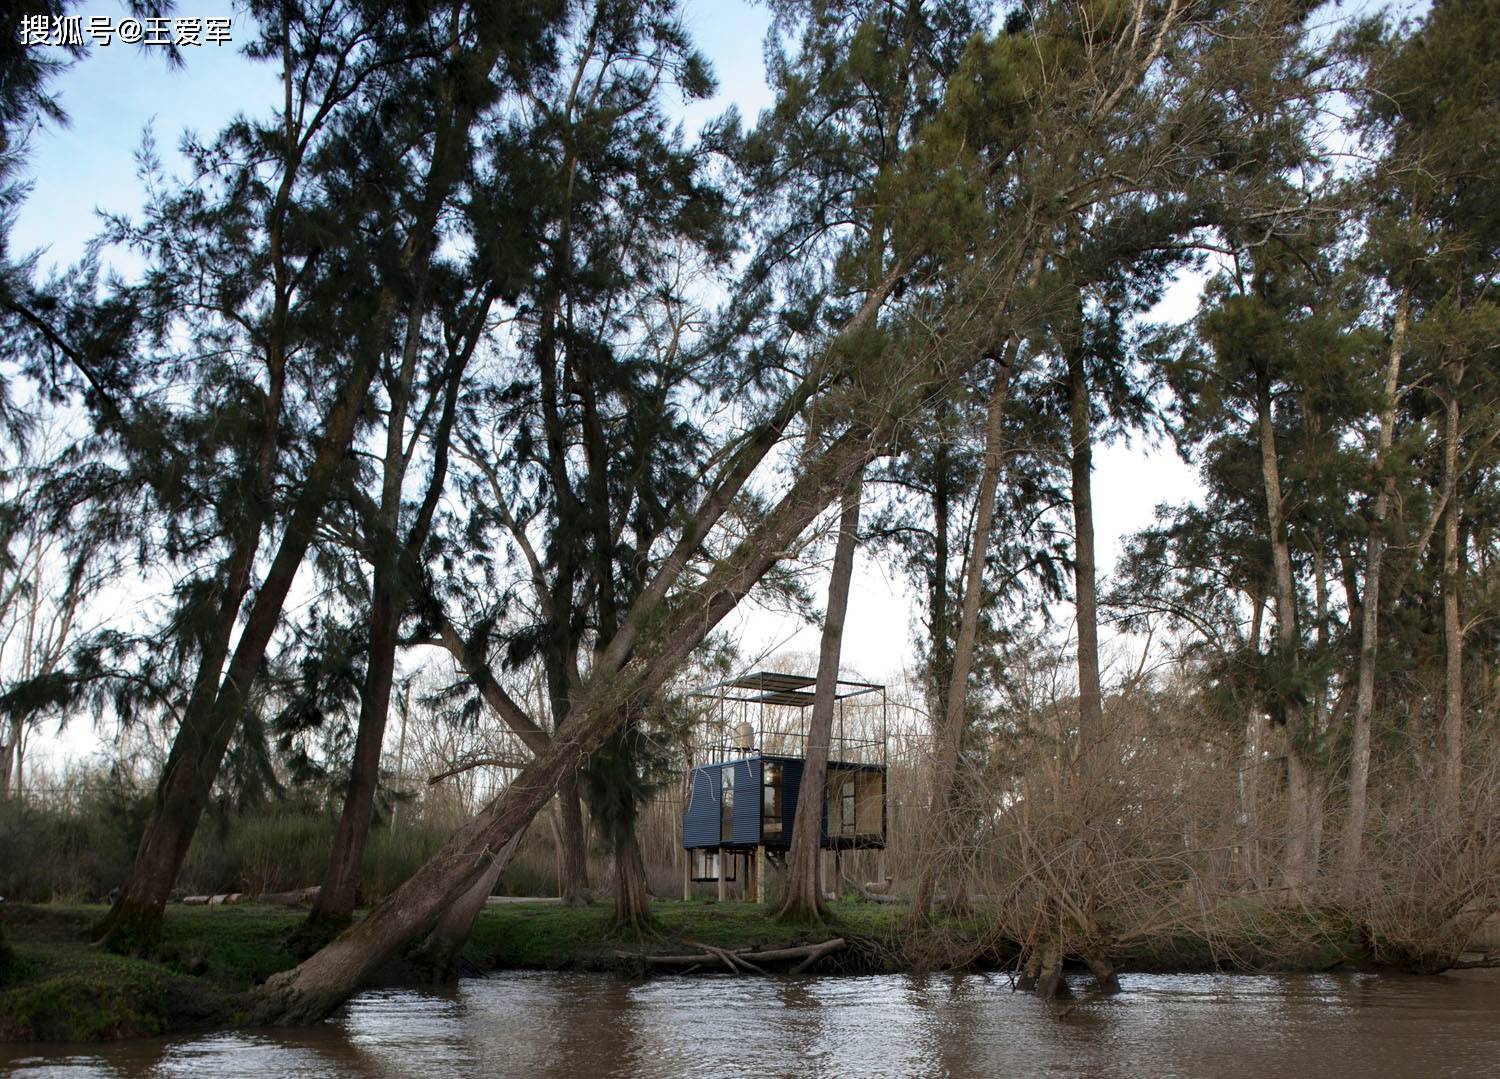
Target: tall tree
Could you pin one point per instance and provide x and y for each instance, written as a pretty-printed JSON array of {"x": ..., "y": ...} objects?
[
  {"x": 581, "y": 443},
  {"x": 804, "y": 898},
  {"x": 1436, "y": 106}
]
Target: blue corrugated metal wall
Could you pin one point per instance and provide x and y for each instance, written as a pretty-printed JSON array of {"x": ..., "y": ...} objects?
[
  {"x": 747, "y": 797},
  {"x": 791, "y": 784},
  {"x": 700, "y": 823}
]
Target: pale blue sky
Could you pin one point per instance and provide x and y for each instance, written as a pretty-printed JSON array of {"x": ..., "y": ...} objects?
[{"x": 117, "y": 91}]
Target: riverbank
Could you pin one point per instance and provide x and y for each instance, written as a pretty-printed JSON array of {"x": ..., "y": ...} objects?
[{"x": 58, "y": 987}]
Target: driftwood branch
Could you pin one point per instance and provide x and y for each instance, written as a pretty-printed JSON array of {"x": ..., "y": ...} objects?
[
  {"x": 478, "y": 762},
  {"x": 735, "y": 961},
  {"x": 742, "y": 961}
]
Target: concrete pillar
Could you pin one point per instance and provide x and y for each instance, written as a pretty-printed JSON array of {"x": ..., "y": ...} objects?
[
  {"x": 687, "y": 875},
  {"x": 723, "y": 869},
  {"x": 760, "y": 874}
]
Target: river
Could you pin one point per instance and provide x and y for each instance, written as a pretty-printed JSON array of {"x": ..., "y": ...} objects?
[{"x": 549, "y": 1024}]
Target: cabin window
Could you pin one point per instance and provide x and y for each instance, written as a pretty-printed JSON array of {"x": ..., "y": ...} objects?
[
  {"x": 771, "y": 802},
  {"x": 726, "y": 805},
  {"x": 846, "y": 806}
]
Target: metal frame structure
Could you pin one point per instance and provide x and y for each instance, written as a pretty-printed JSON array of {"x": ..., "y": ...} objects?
[{"x": 758, "y": 691}]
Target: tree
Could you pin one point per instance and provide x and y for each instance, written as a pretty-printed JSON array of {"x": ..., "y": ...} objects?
[
  {"x": 422, "y": 388},
  {"x": 804, "y": 899},
  {"x": 580, "y": 444},
  {"x": 1435, "y": 108}
]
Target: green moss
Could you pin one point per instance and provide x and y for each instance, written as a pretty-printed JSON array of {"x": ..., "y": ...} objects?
[
  {"x": 65, "y": 988},
  {"x": 234, "y": 947},
  {"x": 80, "y": 996}
]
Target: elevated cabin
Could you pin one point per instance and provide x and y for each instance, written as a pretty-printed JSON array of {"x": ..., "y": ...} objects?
[{"x": 744, "y": 797}]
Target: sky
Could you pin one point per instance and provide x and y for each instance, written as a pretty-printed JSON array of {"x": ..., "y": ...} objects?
[{"x": 118, "y": 92}]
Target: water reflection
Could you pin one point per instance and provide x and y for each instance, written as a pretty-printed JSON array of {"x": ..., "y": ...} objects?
[{"x": 541, "y": 1024}]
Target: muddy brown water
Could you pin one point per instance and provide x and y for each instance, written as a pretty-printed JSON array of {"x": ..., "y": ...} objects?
[{"x": 551, "y": 1024}]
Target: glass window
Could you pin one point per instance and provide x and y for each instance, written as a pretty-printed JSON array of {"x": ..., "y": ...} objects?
[
  {"x": 726, "y": 808},
  {"x": 846, "y": 800},
  {"x": 706, "y": 865},
  {"x": 771, "y": 802}
]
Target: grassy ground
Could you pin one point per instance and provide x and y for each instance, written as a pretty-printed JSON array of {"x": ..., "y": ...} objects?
[
  {"x": 545, "y": 936},
  {"x": 55, "y": 986}
]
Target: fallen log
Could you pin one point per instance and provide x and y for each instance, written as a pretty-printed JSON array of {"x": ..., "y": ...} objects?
[
  {"x": 744, "y": 960},
  {"x": 818, "y": 952},
  {"x": 1491, "y": 959},
  {"x": 301, "y": 897}
]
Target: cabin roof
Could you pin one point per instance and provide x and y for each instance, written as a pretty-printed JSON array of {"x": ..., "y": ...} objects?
[{"x": 772, "y": 687}]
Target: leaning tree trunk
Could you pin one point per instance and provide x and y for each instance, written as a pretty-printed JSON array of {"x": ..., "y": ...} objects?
[
  {"x": 1351, "y": 848},
  {"x": 950, "y": 733},
  {"x": 1450, "y": 776},
  {"x": 198, "y": 749},
  {"x": 440, "y": 952},
  {"x": 804, "y": 899},
  {"x": 311, "y": 990},
  {"x": 1296, "y": 871}
]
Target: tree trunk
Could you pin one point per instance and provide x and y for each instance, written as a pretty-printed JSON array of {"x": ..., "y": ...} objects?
[
  {"x": 1295, "y": 865},
  {"x": 10, "y": 758},
  {"x": 336, "y": 898},
  {"x": 389, "y": 596},
  {"x": 804, "y": 897},
  {"x": 1249, "y": 779},
  {"x": 573, "y": 845},
  {"x": 1450, "y": 779},
  {"x": 198, "y": 749},
  {"x": 632, "y": 898},
  {"x": 950, "y": 733},
  {"x": 1049, "y": 978},
  {"x": 1351, "y": 848},
  {"x": 1090, "y": 696},
  {"x": 440, "y": 951}
]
